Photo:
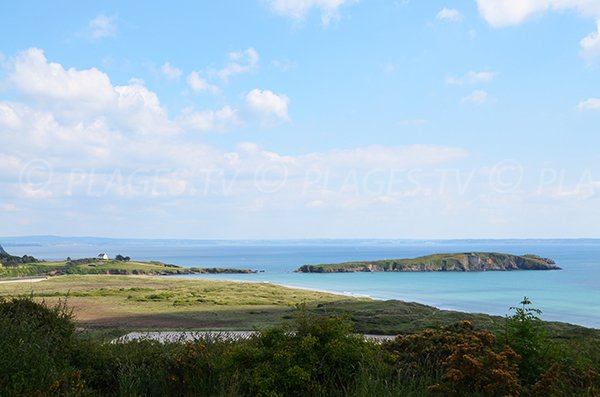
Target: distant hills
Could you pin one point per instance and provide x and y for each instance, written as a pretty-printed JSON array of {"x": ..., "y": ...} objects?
[{"x": 48, "y": 240}]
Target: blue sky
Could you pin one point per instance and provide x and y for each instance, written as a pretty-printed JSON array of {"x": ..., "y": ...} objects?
[{"x": 300, "y": 119}]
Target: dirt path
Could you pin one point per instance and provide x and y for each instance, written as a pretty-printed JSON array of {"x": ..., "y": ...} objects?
[{"x": 23, "y": 280}]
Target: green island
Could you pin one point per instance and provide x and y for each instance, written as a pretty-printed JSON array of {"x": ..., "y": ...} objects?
[
  {"x": 59, "y": 340},
  {"x": 453, "y": 262},
  {"x": 28, "y": 266}
]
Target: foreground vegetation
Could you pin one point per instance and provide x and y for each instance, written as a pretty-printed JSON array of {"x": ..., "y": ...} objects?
[{"x": 311, "y": 355}]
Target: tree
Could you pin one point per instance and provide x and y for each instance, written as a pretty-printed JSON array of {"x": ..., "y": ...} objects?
[{"x": 525, "y": 334}]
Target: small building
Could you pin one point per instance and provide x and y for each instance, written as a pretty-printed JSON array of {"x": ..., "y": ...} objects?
[{"x": 103, "y": 256}]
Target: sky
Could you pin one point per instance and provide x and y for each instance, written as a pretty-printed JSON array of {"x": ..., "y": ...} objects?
[{"x": 279, "y": 119}]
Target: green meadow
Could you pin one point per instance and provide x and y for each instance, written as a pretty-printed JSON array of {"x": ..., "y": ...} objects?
[{"x": 158, "y": 302}]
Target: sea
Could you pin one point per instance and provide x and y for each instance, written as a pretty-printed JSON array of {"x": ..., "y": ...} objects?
[{"x": 569, "y": 295}]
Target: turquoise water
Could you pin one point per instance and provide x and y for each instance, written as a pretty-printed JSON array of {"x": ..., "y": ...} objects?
[{"x": 570, "y": 295}]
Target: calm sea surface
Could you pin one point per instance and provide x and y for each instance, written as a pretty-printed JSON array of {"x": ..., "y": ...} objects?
[{"x": 570, "y": 295}]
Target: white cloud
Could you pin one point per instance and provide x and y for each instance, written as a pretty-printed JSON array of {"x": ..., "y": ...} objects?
[
  {"x": 199, "y": 84},
  {"x": 383, "y": 157},
  {"x": 208, "y": 120},
  {"x": 8, "y": 117},
  {"x": 102, "y": 27},
  {"x": 93, "y": 146},
  {"x": 513, "y": 12},
  {"x": 315, "y": 203},
  {"x": 283, "y": 65},
  {"x": 240, "y": 62},
  {"x": 268, "y": 103},
  {"x": 590, "y": 45},
  {"x": 139, "y": 109},
  {"x": 477, "y": 97},
  {"x": 298, "y": 9},
  {"x": 472, "y": 78},
  {"x": 589, "y": 104},
  {"x": 413, "y": 122},
  {"x": 170, "y": 72},
  {"x": 8, "y": 207},
  {"x": 32, "y": 75},
  {"x": 10, "y": 165},
  {"x": 62, "y": 96},
  {"x": 449, "y": 14}
]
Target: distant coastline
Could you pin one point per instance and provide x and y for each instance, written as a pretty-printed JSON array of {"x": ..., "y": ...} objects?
[{"x": 14, "y": 267}]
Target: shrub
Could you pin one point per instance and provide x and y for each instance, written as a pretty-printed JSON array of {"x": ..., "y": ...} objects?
[
  {"x": 561, "y": 380},
  {"x": 35, "y": 345},
  {"x": 465, "y": 360},
  {"x": 197, "y": 369},
  {"x": 313, "y": 356},
  {"x": 525, "y": 334},
  {"x": 475, "y": 366}
]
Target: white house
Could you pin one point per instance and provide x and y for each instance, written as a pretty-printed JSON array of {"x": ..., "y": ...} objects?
[{"x": 102, "y": 256}]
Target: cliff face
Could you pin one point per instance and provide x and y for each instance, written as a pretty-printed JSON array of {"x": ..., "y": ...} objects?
[{"x": 460, "y": 262}]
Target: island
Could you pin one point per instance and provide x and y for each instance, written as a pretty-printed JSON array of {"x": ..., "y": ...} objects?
[
  {"x": 452, "y": 262},
  {"x": 27, "y": 266}
]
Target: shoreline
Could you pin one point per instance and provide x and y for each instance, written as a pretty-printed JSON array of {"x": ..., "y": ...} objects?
[
  {"x": 173, "y": 297},
  {"x": 352, "y": 295}
]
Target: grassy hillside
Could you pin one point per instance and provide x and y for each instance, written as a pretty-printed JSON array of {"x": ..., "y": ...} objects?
[
  {"x": 98, "y": 266},
  {"x": 470, "y": 261}
]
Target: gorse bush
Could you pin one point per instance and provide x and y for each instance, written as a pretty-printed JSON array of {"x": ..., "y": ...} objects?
[
  {"x": 476, "y": 365},
  {"x": 561, "y": 380},
  {"x": 463, "y": 359}
]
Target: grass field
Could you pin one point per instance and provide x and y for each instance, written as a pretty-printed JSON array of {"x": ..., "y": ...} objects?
[
  {"x": 160, "y": 303},
  {"x": 142, "y": 302}
]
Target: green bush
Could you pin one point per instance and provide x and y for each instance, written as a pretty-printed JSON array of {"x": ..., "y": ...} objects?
[
  {"x": 35, "y": 346},
  {"x": 525, "y": 334},
  {"x": 313, "y": 356}
]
